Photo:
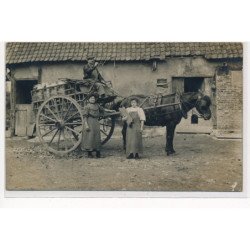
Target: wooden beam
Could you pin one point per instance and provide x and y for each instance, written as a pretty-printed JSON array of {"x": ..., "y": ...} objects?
[
  {"x": 39, "y": 78},
  {"x": 11, "y": 78}
]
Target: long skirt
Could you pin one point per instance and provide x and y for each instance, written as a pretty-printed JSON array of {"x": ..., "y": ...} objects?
[
  {"x": 134, "y": 136},
  {"x": 91, "y": 140}
]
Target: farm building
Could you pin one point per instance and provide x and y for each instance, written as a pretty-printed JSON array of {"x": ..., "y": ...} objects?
[{"x": 135, "y": 68}]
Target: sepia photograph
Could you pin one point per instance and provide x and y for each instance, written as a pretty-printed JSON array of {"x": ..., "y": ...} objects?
[{"x": 124, "y": 116}]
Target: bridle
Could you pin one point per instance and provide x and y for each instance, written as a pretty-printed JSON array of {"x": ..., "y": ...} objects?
[{"x": 194, "y": 112}]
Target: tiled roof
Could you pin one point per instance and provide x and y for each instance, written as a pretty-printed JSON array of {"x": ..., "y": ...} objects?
[{"x": 53, "y": 52}]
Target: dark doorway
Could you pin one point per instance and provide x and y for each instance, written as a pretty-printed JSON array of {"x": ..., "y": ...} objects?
[
  {"x": 193, "y": 84},
  {"x": 23, "y": 91},
  {"x": 23, "y": 109}
]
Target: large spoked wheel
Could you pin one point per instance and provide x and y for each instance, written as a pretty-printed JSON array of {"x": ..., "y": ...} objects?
[
  {"x": 107, "y": 126},
  {"x": 60, "y": 124}
]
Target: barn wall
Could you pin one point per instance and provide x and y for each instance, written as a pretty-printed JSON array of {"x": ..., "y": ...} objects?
[
  {"x": 229, "y": 102},
  {"x": 127, "y": 77},
  {"x": 139, "y": 78},
  {"x": 25, "y": 72}
]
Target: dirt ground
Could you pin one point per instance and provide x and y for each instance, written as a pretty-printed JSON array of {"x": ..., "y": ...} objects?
[{"x": 200, "y": 164}]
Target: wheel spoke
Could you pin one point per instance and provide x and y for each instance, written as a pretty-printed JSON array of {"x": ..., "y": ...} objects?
[
  {"x": 73, "y": 123},
  {"x": 104, "y": 132},
  {"x": 75, "y": 136},
  {"x": 48, "y": 118},
  {"x": 65, "y": 142},
  {"x": 57, "y": 110},
  {"x": 58, "y": 142},
  {"x": 73, "y": 133},
  {"x": 70, "y": 137},
  {"x": 76, "y": 132},
  {"x": 67, "y": 111},
  {"x": 72, "y": 116},
  {"x": 46, "y": 124},
  {"x": 48, "y": 132},
  {"x": 52, "y": 112},
  {"x": 53, "y": 136}
]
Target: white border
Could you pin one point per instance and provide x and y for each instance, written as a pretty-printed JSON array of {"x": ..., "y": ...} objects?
[
  {"x": 153, "y": 194},
  {"x": 101, "y": 223}
]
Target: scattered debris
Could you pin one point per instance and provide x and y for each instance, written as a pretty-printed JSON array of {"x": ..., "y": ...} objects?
[{"x": 234, "y": 186}]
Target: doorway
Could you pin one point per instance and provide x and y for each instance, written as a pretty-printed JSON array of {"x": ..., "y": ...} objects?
[
  {"x": 187, "y": 84},
  {"x": 23, "y": 106},
  {"x": 23, "y": 91},
  {"x": 193, "y": 84}
]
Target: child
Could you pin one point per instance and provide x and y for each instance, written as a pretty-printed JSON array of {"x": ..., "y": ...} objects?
[
  {"x": 134, "y": 129},
  {"x": 91, "y": 133}
]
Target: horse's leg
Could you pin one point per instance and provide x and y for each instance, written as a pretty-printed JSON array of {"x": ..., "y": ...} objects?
[
  {"x": 170, "y": 129},
  {"x": 124, "y": 131}
]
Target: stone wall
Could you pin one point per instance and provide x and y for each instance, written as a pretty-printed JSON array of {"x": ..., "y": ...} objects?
[
  {"x": 127, "y": 77},
  {"x": 139, "y": 78},
  {"x": 229, "y": 97}
]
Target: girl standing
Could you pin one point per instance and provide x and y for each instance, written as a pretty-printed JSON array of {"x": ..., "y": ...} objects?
[{"x": 134, "y": 129}]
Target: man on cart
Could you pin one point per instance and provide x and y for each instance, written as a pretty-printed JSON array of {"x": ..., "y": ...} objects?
[{"x": 93, "y": 76}]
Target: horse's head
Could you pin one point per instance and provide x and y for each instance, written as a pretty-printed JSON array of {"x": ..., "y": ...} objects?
[{"x": 203, "y": 106}]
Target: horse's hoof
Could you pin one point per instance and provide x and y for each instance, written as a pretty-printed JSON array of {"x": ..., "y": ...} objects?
[{"x": 172, "y": 152}]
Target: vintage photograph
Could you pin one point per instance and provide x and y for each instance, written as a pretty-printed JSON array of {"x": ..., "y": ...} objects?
[{"x": 124, "y": 116}]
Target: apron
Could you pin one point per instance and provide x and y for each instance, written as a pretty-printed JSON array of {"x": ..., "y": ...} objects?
[
  {"x": 134, "y": 136},
  {"x": 92, "y": 139}
]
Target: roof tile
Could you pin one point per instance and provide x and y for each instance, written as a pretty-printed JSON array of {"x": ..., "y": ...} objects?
[{"x": 45, "y": 51}]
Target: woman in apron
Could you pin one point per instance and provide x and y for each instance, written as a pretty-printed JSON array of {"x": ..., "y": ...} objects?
[
  {"x": 91, "y": 132},
  {"x": 134, "y": 130}
]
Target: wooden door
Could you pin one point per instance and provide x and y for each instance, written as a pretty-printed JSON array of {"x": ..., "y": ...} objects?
[
  {"x": 177, "y": 85},
  {"x": 23, "y": 115}
]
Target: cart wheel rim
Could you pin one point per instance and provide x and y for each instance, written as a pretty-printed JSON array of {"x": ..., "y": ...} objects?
[{"x": 60, "y": 124}]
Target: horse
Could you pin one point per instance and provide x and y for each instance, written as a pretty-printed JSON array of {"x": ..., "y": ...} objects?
[{"x": 161, "y": 116}]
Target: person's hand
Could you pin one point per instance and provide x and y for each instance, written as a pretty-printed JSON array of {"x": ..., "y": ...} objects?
[
  {"x": 96, "y": 64},
  {"x": 124, "y": 118},
  {"x": 141, "y": 130}
]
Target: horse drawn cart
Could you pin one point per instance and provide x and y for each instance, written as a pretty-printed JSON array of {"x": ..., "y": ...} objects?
[{"x": 58, "y": 110}]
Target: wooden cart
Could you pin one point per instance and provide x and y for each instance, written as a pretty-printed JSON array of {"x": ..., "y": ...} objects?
[{"x": 59, "y": 119}]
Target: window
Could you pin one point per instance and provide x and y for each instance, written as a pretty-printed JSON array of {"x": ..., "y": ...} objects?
[{"x": 162, "y": 82}]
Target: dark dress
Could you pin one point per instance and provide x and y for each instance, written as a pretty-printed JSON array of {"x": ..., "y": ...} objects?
[
  {"x": 134, "y": 135},
  {"x": 91, "y": 140}
]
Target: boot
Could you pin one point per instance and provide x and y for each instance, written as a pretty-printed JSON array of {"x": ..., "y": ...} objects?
[
  {"x": 90, "y": 154},
  {"x": 131, "y": 156},
  {"x": 137, "y": 156},
  {"x": 98, "y": 154}
]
